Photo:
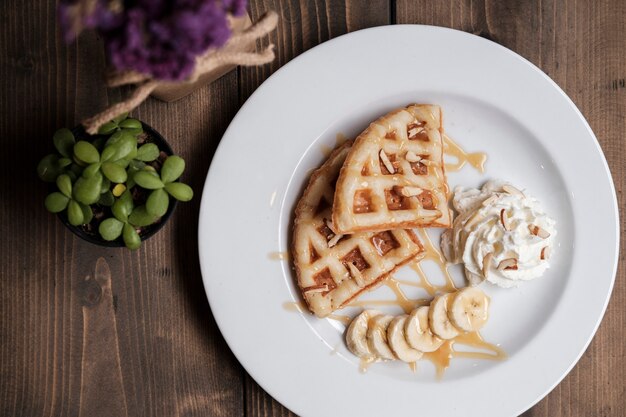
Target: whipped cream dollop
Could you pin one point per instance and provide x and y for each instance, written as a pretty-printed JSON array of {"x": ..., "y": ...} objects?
[{"x": 500, "y": 234}]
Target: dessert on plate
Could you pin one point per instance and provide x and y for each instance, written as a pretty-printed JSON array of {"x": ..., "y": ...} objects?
[
  {"x": 394, "y": 175},
  {"x": 332, "y": 268},
  {"x": 500, "y": 234}
]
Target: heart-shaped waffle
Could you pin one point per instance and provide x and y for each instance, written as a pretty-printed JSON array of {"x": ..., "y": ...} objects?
[
  {"x": 333, "y": 269},
  {"x": 394, "y": 175}
]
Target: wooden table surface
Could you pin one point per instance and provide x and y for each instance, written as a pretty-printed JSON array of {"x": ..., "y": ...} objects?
[{"x": 141, "y": 340}]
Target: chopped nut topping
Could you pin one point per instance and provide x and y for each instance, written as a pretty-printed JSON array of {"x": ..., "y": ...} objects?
[
  {"x": 473, "y": 220},
  {"x": 316, "y": 288},
  {"x": 356, "y": 274},
  {"x": 487, "y": 263},
  {"x": 504, "y": 219},
  {"x": 427, "y": 162},
  {"x": 414, "y": 131},
  {"x": 412, "y": 157},
  {"x": 490, "y": 200},
  {"x": 508, "y": 264},
  {"x": 512, "y": 190},
  {"x": 538, "y": 231},
  {"x": 409, "y": 191},
  {"x": 335, "y": 239},
  {"x": 329, "y": 224},
  {"x": 545, "y": 253},
  {"x": 387, "y": 162}
]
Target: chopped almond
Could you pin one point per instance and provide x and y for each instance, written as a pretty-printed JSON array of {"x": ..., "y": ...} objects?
[
  {"x": 538, "y": 231},
  {"x": 545, "y": 253},
  {"x": 490, "y": 200},
  {"x": 512, "y": 190},
  {"x": 387, "y": 162},
  {"x": 504, "y": 219},
  {"x": 315, "y": 289},
  {"x": 356, "y": 274},
  {"x": 335, "y": 239},
  {"x": 412, "y": 157},
  {"x": 508, "y": 264},
  {"x": 409, "y": 191},
  {"x": 487, "y": 263}
]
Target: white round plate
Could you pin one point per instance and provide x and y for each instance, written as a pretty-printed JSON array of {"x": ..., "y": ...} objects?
[{"x": 493, "y": 101}]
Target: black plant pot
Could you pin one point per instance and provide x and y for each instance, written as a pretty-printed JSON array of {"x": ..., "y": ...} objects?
[{"x": 92, "y": 236}]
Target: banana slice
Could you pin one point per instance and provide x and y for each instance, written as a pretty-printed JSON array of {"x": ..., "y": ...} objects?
[
  {"x": 377, "y": 337},
  {"x": 470, "y": 309},
  {"x": 356, "y": 334},
  {"x": 440, "y": 323},
  {"x": 417, "y": 331},
  {"x": 397, "y": 341}
]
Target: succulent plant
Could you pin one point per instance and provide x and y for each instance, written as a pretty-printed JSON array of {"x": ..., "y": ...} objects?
[{"x": 126, "y": 184}]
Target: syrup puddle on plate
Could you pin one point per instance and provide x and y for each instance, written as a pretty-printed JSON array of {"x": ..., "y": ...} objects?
[{"x": 475, "y": 159}]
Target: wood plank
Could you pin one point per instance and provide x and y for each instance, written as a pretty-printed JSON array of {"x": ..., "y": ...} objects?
[
  {"x": 580, "y": 45},
  {"x": 173, "y": 359},
  {"x": 303, "y": 25}
]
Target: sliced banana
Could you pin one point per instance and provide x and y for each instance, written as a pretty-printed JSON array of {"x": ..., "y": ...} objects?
[
  {"x": 417, "y": 331},
  {"x": 377, "y": 337},
  {"x": 356, "y": 335},
  {"x": 470, "y": 309},
  {"x": 397, "y": 341},
  {"x": 440, "y": 323}
]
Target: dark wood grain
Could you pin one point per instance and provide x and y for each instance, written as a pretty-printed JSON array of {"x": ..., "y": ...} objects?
[{"x": 172, "y": 358}]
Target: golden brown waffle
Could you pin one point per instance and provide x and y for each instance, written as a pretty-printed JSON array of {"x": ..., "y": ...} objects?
[
  {"x": 334, "y": 269},
  {"x": 394, "y": 175}
]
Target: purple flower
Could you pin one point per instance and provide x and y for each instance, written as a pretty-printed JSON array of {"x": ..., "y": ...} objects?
[{"x": 162, "y": 38}]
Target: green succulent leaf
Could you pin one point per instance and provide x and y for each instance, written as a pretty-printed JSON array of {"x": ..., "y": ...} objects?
[
  {"x": 123, "y": 206},
  {"x": 140, "y": 217},
  {"x": 123, "y": 162},
  {"x": 86, "y": 152},
  {"x": 74, "y": 213},
  {"x": 172, "y": 169},
  {"x": 56, "y": 202},
  {"x": 180, "y": 191},
  {"x": 106, "y": 199},
  {"x": 87, "y": 190},
  {"x": 134, "y": 132},
  {"x": 48, "y": 168},
  {"x": 105, "y": 186},
  {"x": 136, "y": 165},
  {"x": 120, "y": 117},
  {"x": 64, "y": 183},
  {"x": 131, "y": 124},
  {"x": 148, "y": 152},
  {"x": 114, "y": 172},
  {"x": 108, "y": 152},
  {"x": 148, "y": 180},
  {"x": 110, "y": 229},
  {"x": 124, "y": 146},
  {"x": 157, "y": 203},
  {"x": 107, "y": 128},
  {"x": 64, "y": 141},
  {"x": 64, "y": 162},
  {"x": 131, "y": 237},
  {"x": 87, "y": 213},
  {"x": 91, "y": 170},
  {"x": 115, "y": 137}
]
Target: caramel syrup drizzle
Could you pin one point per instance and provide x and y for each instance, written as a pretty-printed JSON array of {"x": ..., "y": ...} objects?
[{"x": 475, "y": 159}]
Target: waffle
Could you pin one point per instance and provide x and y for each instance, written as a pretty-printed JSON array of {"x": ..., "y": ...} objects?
[
  {"x": 333, "y": 269},
  {"x": 394, "y": 175}
]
